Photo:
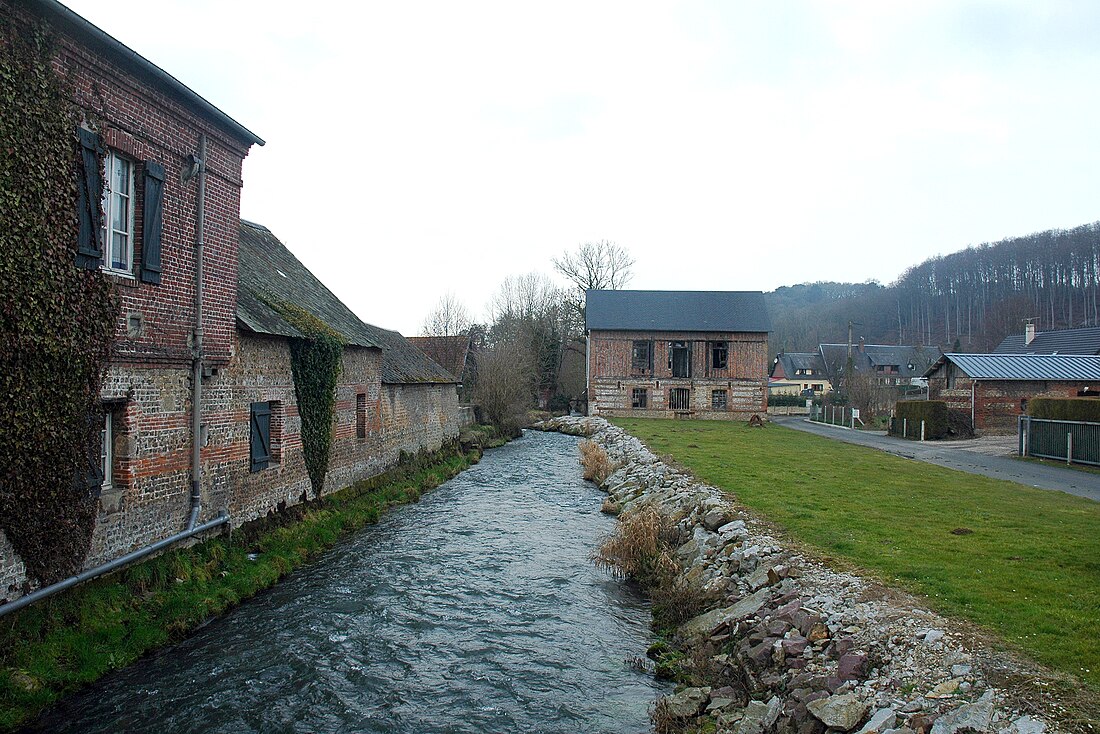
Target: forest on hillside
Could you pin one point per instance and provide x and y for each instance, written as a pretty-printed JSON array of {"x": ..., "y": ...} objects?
[{"x": 967, "y": 301}]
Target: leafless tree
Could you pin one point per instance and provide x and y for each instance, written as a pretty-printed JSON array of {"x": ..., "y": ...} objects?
[
  {"x": 448, "y": 318},
  {"x": 600, "y": 265},
  {"x": 503, "y": 387}
]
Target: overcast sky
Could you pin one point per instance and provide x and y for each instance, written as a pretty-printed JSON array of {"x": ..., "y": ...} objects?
[{"x": 419, "y": 148}]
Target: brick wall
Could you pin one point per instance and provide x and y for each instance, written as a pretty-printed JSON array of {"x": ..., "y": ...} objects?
[
  {"x": 997, "y": 403},
  {"x": 613, "y": 379}
]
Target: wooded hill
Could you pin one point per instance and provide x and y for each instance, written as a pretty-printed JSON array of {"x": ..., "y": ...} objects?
[{"x": 969, "y": 300}]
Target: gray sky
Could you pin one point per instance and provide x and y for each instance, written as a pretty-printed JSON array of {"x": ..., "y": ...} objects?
[{"x": 419, "y": 148}]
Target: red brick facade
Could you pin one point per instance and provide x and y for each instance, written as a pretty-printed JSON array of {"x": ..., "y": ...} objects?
[
  {"x": 997, "y": 404},
  {"x": 734, "y": 392},
  {"x": 148, "y": 386}
]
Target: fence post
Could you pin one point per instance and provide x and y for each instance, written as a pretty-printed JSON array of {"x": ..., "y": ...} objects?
[
  {"x": 922, "y": 429},
  {"x": 905, "y": 427},
  {"x": 1069, "y": 446}
]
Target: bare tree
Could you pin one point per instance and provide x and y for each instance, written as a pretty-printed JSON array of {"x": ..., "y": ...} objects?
[
  {"x": 503, "y": 387},
  {"x": 448, "y": 318},
  {"x": 600, "y": 265}
]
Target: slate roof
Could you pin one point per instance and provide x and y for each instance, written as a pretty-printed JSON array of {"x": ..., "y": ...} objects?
[
  {"x": 676, "y": 311},
  {"x": 791, "y": 362},
  {"x": 835, "y": 357},
  {"x": 1074, "y": 367},
  {"x": 267, "y": 272},
  {"x": 449, "y": 352},
  {"x": 402, "y": 363},
  {"x": 1062, "y": 341}
]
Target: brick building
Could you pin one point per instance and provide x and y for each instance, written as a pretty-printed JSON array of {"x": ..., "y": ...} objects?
[
  {"x": 993, "y": 389},
  {"x": 200, "y": 358},
  {"x": 694, "y": 354}
]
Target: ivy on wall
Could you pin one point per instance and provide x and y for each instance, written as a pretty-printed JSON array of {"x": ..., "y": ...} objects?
[
  {"x": 315, "y": 364},
  {"x": 56, "y": 320}
]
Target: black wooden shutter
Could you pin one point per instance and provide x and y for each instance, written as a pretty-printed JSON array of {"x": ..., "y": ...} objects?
[
  {"x": 152, "y": 222},
  {"x": 260, "y": 440},
  {"x": 89, "y": 253}
]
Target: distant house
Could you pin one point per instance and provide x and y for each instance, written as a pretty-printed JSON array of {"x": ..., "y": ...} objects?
[
  {"x": 697, "y": 354},
  {"x": 1062, "y": 341},
  {"x": 796, "y": 373},
  {"x": 993, "y": 389},
  {"x": 885, "y": 364}
]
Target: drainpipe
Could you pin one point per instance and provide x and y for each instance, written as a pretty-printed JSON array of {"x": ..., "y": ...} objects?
[
  {"x": 588, "y": 374},
  {"x": 196, "y": 364},
  {"x": 109, "y": 566},
  {"x": 973, "y": 385}
]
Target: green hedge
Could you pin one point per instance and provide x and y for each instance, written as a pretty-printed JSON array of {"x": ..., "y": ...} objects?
[
  {"x": 912, "y": 412},
  {"x": 1065, "y": 409},
  {"x": 787, "y": 400}
]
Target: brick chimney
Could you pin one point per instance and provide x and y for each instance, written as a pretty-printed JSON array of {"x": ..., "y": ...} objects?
[
  {"x": 861, "y": 345},
  {"x": 1029, "y": 332}
]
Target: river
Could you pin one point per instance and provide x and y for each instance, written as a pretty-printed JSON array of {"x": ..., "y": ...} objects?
[{"x": 476, "y": 610}]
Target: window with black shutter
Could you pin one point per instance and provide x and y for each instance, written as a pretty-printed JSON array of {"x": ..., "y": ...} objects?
[
  {"x": 89, "y": 250},
  {"x": 260, "y": 435},
  {"x": 152, "y": 222}
]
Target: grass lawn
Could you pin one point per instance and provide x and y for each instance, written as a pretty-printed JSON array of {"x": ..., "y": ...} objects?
[{"x": 1029, "y": 569}]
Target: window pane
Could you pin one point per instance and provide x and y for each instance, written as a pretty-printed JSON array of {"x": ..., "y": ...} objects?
[
  {"x": 120, "y": 177},
  {"x": 120, "y": 251}
]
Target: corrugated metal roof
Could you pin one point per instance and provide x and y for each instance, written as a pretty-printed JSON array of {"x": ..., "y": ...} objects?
[
  {"x": 676, "y": 311},
  {"x": 1062, "y": 341},
  {"x": 1025, "y": 366}
]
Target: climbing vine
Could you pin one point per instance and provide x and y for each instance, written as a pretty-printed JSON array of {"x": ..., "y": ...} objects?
[
  {"x": 56, "y": 320},
  {"x": 315, "y": 362}
]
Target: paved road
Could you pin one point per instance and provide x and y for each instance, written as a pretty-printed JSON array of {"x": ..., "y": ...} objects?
[{"x": 992, "y": 457}]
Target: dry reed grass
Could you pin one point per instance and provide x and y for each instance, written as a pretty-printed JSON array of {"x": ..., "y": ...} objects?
[{"x": 596, "y": 463}]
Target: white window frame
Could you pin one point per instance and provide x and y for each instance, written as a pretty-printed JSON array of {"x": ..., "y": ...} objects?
[
  {"x": 107, "y": 450},
  {"x": 112, "y": 200}
]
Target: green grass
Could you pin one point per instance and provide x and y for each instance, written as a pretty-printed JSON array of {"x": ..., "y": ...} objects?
[
  {"x": 1029, "y": 571},
  {"x": 53, "y": 647}
]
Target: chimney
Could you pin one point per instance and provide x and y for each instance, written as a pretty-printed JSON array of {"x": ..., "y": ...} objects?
[
  {"x": 1029, "y": 332},
  {"x": 861, "y": 345}
]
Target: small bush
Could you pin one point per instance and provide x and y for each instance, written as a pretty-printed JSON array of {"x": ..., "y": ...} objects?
[
  {"x": 1065, "y": 409},
  {"x": 640, "y": 549},
  {"x": 787, "y": 400},
  {"x": 910, "y": 413},
  {"x": 595, "y": 461}
]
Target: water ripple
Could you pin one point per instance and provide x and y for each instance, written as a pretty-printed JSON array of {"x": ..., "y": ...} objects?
[{"x": 475, "y": 610}]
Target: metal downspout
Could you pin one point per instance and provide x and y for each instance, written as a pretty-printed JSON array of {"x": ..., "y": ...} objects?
[
  {"x": 588, "y": 374},
  {"x": 973, "y": 385},
  {"x": 196, "y": 376},
  {"x": 109, "y": 566}
]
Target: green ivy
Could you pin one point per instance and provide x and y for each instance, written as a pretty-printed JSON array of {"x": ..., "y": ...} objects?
[
  {"x": 315, "y": 362},
  {"x": 56, "y": 320}
]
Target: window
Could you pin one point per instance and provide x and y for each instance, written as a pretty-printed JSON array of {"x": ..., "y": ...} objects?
[
  {"x": 117, "y": 231},
  {"x": 719, "y": 355},
  {"x": 680, "y": 398},
  {"x": 679, "y": 358},
  {"x": 107, "y": 452},
  {"x": 641, "y": 357},
  {"x": 719, "y": 399},
  {"x": 639, "y": 398},
  {"x": 260, "y": 435},
  {"x": 361, "y": 416}
]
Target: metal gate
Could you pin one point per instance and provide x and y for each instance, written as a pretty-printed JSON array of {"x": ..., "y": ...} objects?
[{"x": 1073, "y": 442}]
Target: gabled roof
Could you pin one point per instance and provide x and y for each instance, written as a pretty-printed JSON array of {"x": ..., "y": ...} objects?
[
  {"x": 791, "y": 362},
  {"x": 403, "y": 364},
  {"x": 1062, "y": 341},
  {"x": 1075, "y": 367},
  {"x": 139, "y": 66},
  {"x": 268, "y": 274},
  {"x": 911, "y": 361},
  {"x": 676, "y": 311},
  {"x": 448, "y": 352}
]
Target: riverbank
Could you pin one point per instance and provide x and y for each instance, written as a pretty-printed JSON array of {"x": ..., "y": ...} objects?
[
  {"x": 784, "y": 642},
  {"x": 52, "y": 648}
]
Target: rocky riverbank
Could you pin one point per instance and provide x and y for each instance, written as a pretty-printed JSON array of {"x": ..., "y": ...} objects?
[{"x": 792, "y": 645}]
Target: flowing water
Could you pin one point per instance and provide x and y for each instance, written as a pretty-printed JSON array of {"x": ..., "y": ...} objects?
[{"x": 476, "y": 610}]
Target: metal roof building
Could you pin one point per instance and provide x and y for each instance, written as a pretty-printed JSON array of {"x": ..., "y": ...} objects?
[
  {"x": 1076, "y": 367},
  {"x": 676, "y": 311}
]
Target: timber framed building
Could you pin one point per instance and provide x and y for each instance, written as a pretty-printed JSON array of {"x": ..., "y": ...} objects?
[{"x": 684, "y": 354}]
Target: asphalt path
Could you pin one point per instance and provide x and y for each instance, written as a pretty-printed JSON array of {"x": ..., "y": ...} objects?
[{"x": 973, "y": 456}]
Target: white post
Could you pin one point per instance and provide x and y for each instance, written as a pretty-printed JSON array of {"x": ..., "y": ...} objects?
[
  {"x": 922, "y": 429},
  {"x": 905, "y": 427},
  {"x": 1069, "y": 448}
]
